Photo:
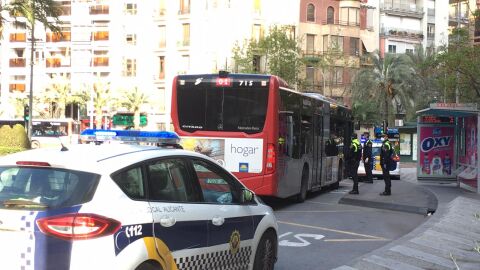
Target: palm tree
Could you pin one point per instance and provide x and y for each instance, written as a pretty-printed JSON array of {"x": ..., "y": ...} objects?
[
  {"x": 102, "y": 96},
  {"x": 427, "y": 80},
  {"x": 133, "y": 101},
  {"x": 44, "y": 11},
  {"x": 388, "y": 82}
]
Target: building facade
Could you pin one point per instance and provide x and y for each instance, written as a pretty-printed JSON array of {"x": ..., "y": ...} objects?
[
  {"x": 406, "y": 24},
  {"x": 136, "y": 43},
  {"x": 131, "y": 43},
  {"x": 337, "y": 38},
  {"x": 461, "y": 15}
]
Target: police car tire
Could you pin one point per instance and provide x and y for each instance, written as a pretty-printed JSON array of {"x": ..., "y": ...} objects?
[
  {"x": 265, "y": 256},
  {"x": 149, "y": 266}
]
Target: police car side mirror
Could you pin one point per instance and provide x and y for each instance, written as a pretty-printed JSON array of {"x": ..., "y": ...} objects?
[{"x": 247, "y": 196}]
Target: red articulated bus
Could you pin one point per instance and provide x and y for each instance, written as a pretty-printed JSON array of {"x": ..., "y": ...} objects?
[{"x": 277, "y": 141}]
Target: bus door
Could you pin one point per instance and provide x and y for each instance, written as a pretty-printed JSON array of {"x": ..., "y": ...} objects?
[{"x": 317, "y": 150}]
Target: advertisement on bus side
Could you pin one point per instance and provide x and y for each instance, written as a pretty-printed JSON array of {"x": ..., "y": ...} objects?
[{"x": 236, "y": 155}]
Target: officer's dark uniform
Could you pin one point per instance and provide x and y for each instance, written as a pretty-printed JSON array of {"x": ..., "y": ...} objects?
[
  {"x": 355, "y": 155},
  {"x": 385, "y": 156},
  {"x": 368, "y": 160}
]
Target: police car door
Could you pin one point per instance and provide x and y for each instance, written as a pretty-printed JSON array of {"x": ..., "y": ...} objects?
[
  {"x": 180, "y": 227},
  {"x": 231, "y": 224}
]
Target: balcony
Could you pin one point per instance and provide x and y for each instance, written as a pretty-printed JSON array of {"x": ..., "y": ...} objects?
[
  {"x": 65, "y": 10},
  {"x": 17, "y": 62},
  {"x": 183, "y": 43},
  {"x": 100, "y": 62},
  {"x": 402, "y": 10},
  {"x": 366, "y": 60},
  {"x": 18, "y": 37},
  {"x": 99, "y": 10},
  {"x": 17, "y": 87},
  {"x": 401, "y": 33},
  {"x": 100, "y": 36},
  {"x": 341, "y": 23},
  {"x": 53, "y": 62},
  {"x": 58, "y": 37}
]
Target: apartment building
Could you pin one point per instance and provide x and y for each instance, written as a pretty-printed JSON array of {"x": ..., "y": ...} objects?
[
  {"x": 338, "y": 36},
  {"x": 406, "y": 24},
  {"x": 461, "y": 15},
  {"x": 133, "y": 43}
]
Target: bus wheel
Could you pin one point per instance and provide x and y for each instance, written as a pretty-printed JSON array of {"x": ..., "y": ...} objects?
[
  {"x": 35, "y": 144},
  {"x": 339, "y": 176},
  {"x": 303, "y": 188}
]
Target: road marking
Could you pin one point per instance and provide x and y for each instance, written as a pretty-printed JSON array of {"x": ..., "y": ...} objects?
[
  {"x": 355, "y": 240},
  {"x": 332, "y": 230},
  {"x": 319, "y": 211},
  {"x": 308, "y": 201},
  {"x": 301, "y": 238}
]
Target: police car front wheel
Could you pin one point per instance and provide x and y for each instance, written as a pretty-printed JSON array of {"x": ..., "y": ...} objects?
[
  {"x": 148, "y": 265},
  {"x": 266, "y": 253}
]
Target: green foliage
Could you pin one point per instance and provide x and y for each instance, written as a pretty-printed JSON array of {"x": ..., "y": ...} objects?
[
  {"x": 460, "y": 64},
  {"x": 44, "y": 11},
  {"x": 366, "y": 112},
  {"x": 13, "y": 139},
  {"x": 19, "y": 137},
  {"x": 133, "y": 101},
  {"x": 388, "y": 83},
  {"x": 5, "y": 131},
  {"x": 279, "y": 52}
]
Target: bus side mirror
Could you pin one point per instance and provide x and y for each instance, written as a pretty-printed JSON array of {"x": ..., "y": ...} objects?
[{"x": 247, "y": 196}]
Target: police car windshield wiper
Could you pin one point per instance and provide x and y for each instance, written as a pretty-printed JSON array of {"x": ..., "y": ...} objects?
[{"x": 23, "y": 203}]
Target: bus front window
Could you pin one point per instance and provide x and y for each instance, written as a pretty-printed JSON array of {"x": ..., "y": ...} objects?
[{"x": 237, "y": 109}]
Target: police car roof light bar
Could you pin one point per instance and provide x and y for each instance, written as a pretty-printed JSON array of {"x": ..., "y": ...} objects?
[{"x": 167, "y": 138}]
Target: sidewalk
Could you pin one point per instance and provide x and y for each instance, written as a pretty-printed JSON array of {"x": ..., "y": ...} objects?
[{"x": 446, "y": 240}]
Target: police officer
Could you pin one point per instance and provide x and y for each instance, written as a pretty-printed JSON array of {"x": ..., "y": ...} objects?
[
  {"x": 355, "y": 154},
  {"x": 367, "y": 158},
  {"x": 385, "y": 156}
]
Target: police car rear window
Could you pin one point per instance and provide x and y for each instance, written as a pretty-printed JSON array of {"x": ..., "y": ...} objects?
[{"x": 44, "y": 188}]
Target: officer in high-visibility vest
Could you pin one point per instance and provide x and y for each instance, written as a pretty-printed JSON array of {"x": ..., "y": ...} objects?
[
  {"x": 355, "y": 154},
  {"x": 385, "y": 156},
  {"x": 368, "y": 158}
]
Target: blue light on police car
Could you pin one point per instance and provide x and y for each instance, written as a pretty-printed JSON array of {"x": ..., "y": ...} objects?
[{"x": 129, "y": 136}]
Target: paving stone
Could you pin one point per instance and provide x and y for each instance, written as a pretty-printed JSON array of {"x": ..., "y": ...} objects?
[
  {"x": 345, "y": 267},
  {"x": 422, "y": 259},
  {"x": 443, "y": 248},
  {"x": 448, "y": 237},
  {"x": 365, "y": 265},
  {"x": 390, "y": 264}
]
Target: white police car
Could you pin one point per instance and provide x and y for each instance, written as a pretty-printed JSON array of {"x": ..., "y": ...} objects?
[
  {"x": 377, "y": 168},
  {"x": 120, "y": 206}
]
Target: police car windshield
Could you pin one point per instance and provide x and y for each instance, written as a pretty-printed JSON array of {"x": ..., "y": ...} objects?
[{"x": 38, "y": 188}]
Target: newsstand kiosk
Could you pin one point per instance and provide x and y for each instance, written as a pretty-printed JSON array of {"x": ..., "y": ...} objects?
[{"x": 448, "y": 144}]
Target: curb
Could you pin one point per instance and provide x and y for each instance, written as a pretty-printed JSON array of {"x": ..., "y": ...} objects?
[
  {"x": 388, "y": 206},
  {"x": 431, "y": 207}
]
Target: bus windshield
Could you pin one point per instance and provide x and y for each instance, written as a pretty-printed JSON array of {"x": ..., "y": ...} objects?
[{"x": 240, "y": 107}]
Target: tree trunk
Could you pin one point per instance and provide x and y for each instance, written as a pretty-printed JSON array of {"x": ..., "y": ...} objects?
[
  {"x": 98, "y": 118},
  {"x": 136, "y": 120},
  {"x": 386, "y": 113}
]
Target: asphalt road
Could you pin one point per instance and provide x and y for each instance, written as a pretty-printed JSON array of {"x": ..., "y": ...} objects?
[{"x": 322, "y": 234}]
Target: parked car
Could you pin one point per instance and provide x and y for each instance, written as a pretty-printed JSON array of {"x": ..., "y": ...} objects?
[{"x": 377, "y": 169}]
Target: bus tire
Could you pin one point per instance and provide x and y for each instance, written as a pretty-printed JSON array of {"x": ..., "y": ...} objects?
[
  {"x": 35, "y": 144},
  {"x": 339, "y": 176},
  {"x": 304, "y": 186}
]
